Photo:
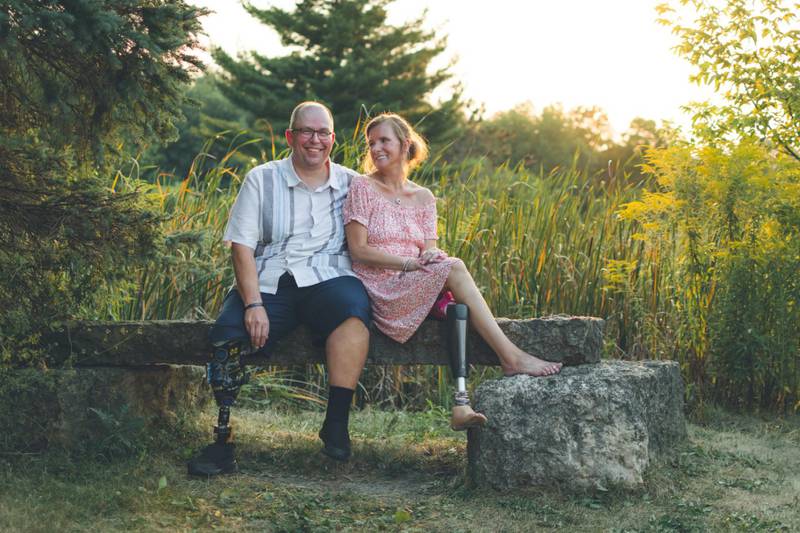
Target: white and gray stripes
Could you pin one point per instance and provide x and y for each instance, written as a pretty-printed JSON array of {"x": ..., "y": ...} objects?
[{"x": 290, "y": 227}]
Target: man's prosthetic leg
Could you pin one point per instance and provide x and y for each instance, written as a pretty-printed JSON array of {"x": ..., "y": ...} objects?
[
  {"x": 226, "y": 375},
  {"x": 457, "y": 321}
]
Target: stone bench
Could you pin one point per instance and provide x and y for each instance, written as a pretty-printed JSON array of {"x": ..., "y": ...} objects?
[
  {"x": 595, "y": 425},
  {"x": 568, "y": 339}
]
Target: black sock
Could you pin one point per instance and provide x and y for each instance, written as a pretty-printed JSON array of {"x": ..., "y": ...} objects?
[{"x": 339, "y": 400}]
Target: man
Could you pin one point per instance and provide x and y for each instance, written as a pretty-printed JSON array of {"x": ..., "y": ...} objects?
[{"x": 292, "y": 267}]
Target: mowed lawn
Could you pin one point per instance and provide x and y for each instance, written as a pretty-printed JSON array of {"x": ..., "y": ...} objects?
[{"x": 737, "y": 473}]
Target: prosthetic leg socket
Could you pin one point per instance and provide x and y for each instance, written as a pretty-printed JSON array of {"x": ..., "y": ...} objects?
[
  {"x": 457, "y": 321},
  {"x": 226, "y": 374}
]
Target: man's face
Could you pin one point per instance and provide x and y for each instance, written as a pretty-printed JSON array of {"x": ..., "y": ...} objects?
[{"x": 309, "y": 142}]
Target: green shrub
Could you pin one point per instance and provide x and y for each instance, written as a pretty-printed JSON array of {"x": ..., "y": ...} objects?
[{"x": 729, "y": 215}]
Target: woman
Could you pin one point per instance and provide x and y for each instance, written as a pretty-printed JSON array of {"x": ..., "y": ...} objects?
[{"x": 390, "y": 224}]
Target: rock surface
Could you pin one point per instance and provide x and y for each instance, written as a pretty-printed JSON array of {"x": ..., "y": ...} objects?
[
  {"x": 590, "y": 427},
  {"x": 568, "y": 339},
  {"x": 65, "y": 407}
]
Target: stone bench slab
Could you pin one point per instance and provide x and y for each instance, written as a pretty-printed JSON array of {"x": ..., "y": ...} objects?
[
  {"x": 590, "y": 427},
  {"x": 568, "y": 339}
]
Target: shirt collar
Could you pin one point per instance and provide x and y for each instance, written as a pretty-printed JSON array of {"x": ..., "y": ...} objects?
[{"x": 293, "y": 180}]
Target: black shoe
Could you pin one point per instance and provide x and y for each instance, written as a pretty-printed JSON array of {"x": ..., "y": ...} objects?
[
  {"x": 213, "y": 460},
  {"x": 336, "y": 439}
]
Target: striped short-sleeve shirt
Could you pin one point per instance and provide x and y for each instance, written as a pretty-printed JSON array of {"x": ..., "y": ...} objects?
[{"x": 290, "y": 227}]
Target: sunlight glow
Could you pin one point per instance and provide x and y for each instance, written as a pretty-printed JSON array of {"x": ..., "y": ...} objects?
[{"x": 610, "y": 54}]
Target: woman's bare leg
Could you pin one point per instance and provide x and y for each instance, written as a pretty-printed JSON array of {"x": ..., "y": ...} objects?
[{"x": 513, "y": 360}]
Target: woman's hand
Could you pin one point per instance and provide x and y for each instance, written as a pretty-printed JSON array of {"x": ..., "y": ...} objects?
[
  {"x": 413, "y": 263},
  {"x": 431, "y": 255}
]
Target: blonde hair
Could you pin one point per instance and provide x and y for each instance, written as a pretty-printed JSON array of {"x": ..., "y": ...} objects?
[
  {"x": 300, "y": 108},
  {"x": 417, "y": 149}
]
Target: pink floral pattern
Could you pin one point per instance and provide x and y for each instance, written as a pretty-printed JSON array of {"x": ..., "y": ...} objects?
[{"x": 400, "y": 300}]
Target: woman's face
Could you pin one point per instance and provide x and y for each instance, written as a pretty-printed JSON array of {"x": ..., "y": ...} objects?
[{"x": 385, "y": 148}]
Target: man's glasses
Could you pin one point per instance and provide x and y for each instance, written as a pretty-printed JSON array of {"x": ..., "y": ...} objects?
[{"x": 307, "y": 133}]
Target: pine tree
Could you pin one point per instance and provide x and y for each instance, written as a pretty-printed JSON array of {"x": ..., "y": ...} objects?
[
  {"x": 344, "y": 54},
  {"x": 81, "y": 83},
  {"x": 211, "y": 127}
]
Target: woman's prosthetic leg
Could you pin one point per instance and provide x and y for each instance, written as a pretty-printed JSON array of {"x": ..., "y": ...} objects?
[
  {"x": 226, "y": 375},
  {"x": 457, "y": 319},
  {"x": 463, "y": 416}
]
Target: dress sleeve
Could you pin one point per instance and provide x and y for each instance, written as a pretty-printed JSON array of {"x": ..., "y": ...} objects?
[
  {"x": 358, "y": 206},
  {"x": 429, "y": 222}
]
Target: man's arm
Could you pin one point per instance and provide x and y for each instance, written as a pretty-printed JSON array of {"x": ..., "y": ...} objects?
[{"x": 255, "y": 318}]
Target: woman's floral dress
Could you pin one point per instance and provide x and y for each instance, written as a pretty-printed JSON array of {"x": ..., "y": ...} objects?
[{"x": 400, "y": 300}]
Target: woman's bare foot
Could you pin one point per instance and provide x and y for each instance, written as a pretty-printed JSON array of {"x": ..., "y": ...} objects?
[
  {"x": 525, "y": 363},
  {"x": 464, "y": 417}
]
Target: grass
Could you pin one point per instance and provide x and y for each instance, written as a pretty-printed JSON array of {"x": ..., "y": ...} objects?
[{"x": 737, "y": 473}]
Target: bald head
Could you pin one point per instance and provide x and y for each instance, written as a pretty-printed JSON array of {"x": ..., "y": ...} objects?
[{"x": 301, "y": 109}]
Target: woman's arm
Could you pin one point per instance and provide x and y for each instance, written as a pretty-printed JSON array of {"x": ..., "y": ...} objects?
[
  {"x": 430, "y": 253},
  {"x": 369, "y": 255}
]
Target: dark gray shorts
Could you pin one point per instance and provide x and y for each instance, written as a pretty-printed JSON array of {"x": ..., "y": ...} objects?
[{"x": 322, "y": 307}]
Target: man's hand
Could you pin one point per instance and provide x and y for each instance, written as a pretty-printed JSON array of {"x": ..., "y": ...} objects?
[{"x": 257, "y": 325}]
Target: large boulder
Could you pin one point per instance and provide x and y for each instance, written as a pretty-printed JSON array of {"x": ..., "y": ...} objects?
[{"x": 589, "y": 427}]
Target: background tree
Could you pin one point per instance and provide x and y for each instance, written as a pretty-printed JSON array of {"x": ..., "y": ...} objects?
[
  {"x": 556, "y": 138},
  {"x": 81, "y": 83},
  {"x": 519, "y": 136},
  {"x": 210, "y": 126},
  {"x": 751, "y": 51},
  {"x": 343, "y": 53}
]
